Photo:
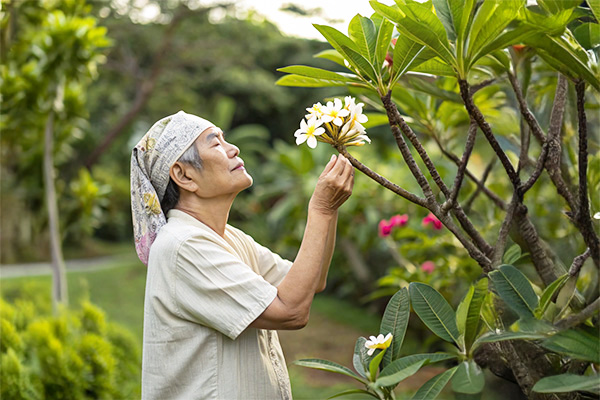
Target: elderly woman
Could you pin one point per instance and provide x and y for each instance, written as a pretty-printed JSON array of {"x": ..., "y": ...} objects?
[{"x": 215, "y": 297}]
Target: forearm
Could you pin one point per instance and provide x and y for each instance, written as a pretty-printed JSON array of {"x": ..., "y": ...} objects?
[
  {"x": 296, "y": 291},
  {"x": 329, "y": 248}
]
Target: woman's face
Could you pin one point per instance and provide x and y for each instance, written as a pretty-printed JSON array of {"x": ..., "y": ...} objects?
[{"x": 222, "y": 172}]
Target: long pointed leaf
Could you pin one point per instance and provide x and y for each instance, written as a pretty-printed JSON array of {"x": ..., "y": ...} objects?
[
  {"x": 567, "y": 383},
  {"x": 575, "y": 343},
  {"x": 548, "y": 293},
  {"x": 595, "y": 7},
  {"x": 435, "y": 66},
  {"x": 305, "y": 81},
  {"x": 393, "y": 378},
  {"x": 468, "y": 378},
  {"x": 506, "y": 38},
  {"x": 319, "y": 73},
  {"x": 394, "y": 321},
  {"x": 360, "y": 357},
  {"x": 374, "y": 364},
  {"x": 404, "y": 362},
  {"x": 330, "y": 366},
  {"x": 434, "y": 311},
  {"x": 421, "y": 33},
  {"x": 362, "y": 32},
  {"x": 492, "y": 337},
  {"x": 467, "y": 313},
  {"x": 384, "y": 37},
  {"x": 331, "y": 55},
  {"x": 432, "y": 388},
  {"x": 406, "y": 51},
  {"x": 450, "y": 13},
  {"x": 352, "y": 391},
  {"x": 389, "y": 12},
  {"x": 514, "y": 288}
]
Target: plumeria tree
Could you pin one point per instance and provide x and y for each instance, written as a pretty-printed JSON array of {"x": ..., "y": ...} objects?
[{"x": 461, "y": 53}]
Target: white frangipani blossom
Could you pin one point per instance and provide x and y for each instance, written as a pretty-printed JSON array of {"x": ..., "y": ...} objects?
[
  {"x": 309, "y": 131},
  {"x": 379, "y": 342},
  {"x": 333, "y": 112},
  {"x": 334, "y": 123},
  {"x": 597, "y": 215}
]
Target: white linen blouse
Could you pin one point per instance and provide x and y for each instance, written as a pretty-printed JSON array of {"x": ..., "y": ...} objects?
[{"x": 202, "y": 292}]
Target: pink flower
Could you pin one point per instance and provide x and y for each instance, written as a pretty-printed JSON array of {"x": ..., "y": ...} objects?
[
  {"x": 428, "y": 266},
  {"x": 385, "y": 228},
  {"x": 432, "y": 219},
  {"x": 399, "y": 220}
]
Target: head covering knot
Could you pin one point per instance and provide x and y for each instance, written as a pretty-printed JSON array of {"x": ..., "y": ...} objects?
[{"x": 151, "y": 160}]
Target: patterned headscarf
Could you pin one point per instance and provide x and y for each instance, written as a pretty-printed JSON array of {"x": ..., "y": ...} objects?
[{"x": 151, "y": 160}]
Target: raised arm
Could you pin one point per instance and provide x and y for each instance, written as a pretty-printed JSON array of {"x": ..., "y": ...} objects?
[{"x": 291, "y": 307}]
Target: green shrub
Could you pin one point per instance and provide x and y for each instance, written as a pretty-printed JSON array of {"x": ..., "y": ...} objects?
[{"x": 75, "y": 354}]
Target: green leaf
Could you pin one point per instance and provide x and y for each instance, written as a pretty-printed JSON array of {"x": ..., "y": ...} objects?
[
  {"x": 576, "y": 343},
  {"x": 588, "y": 35},
  {"x": 431, "y": 88},
  {"x": 514, "y": 288},
  {"x": 319, "y": 73},
  {"x": 348, "y": 49},
  {"x": 394, "y": 321},
  {"x": 423, "y": 26},
  {"x": 432, "y": 388},
  {"x": 468, "y": 311},
  {"x": 435, "y": 66},
  {"x": 406, "y": 52},
  {"x": 392, "y": 378},
  {"x": 434, "y": 311},
  {"x": 390, "y": 12},
  {"x": 305, "y": 81},
  {"x": 566, "y": 293},
  {"x": 384, "y": 37},
  {"x": 595, "y": 7},
  {"x": 330, "y": 366},
  {"x": 360, "y": 357},
  {"x": 548, "y": 295},
  {"x": 566, "y": 55},
  {"x": 512, "y": 255},
  {"x": 506, "y": 38},
  {"x": 362, "y": 31},
  {"x": 352, "y": 391},
  {"x": 331, "y": 55},
  {"x": 361, "y": 63},
  {"x": 492, "y": 337},
  {"x": 374, "y": 364},
  {"x": 468, "y": 378},
  {"x": 567, "y": 383},
  {"x": 450, "y": 12},
  {"x": 468, "y": 8},
  {"x": 556, "y": 6},
  {"x": 404, "y": 362},
  {"x": 490, "y": 21}
]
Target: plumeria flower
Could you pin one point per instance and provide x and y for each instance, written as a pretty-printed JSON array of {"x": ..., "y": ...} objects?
[
  {"x": 428, "y": 267},
  {"x": 378, "y": 342},
  {"x": 385, "y": 228},
  {"x": 432, "y": 219},
  {"x": 597, "y": 215},
  {"x": 349, "y": 103},
  {"x": 315, "y": 111},
  {"x": 354, "y": 122},
  {"x": 333, "y": 112},
  {"x": 399, "y": 220},
  {"x": 308, "y": 132}
]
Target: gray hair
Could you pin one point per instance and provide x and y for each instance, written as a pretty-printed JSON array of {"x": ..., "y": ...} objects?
[{"x": 171, "y": 197}]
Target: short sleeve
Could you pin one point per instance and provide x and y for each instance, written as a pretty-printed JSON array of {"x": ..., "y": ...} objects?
[
  {"x": 214, "y": 288},
  {"x": 272, "y": 267}
]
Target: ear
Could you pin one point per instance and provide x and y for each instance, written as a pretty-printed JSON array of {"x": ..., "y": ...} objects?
[{"x": 182, "y": 175}]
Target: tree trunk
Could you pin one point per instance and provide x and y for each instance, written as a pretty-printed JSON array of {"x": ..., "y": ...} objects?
[{"x": 59, "y": 279}]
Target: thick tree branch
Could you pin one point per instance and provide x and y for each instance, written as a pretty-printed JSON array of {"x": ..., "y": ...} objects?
[
  {"x": 578, "y": 262},
  {"x": 576, "y": 319},
  {"x": 525, "y": 112},
  {"x": 476, "y": 114},
  {"x": 406, "y": 154},
  {"x": 381, "y": 180},
  {"x": 144, "y": 91},
  {"x": 396, "y": 120},
  {"x": 583, "y": 217},
  {"x": 460, "y": 174}
]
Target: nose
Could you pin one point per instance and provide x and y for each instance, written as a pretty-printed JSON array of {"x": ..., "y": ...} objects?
[{"x": 232, "y": 150}]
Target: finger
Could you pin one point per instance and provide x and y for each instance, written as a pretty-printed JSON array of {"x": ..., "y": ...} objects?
[
  {"x": 339, "y": 165},
  {"x": 330, "y": 164}
]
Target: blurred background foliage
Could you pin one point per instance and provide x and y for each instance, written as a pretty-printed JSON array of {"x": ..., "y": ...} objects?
[{"x": 212, "y": 62}]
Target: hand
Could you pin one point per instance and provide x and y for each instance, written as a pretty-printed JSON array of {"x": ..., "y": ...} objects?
[{"x": 334, "y": 186}]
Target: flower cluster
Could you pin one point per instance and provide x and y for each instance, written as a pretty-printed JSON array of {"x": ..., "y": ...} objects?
[
  {"x": 432, "y": 219},
  {"x": 334, "y": 124},
  {"x": 386, "y": 227},
  {"x": 378, "y": 342}
]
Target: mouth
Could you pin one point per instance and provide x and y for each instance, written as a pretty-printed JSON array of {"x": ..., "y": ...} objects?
[{"x": 238, "y": 167}]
